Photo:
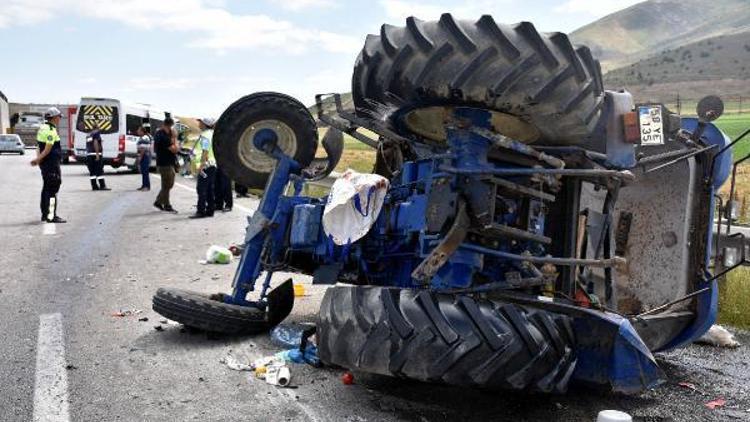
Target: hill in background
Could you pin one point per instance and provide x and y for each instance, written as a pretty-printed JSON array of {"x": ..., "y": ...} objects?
[
  {"x": 648, "y": 28},
  {"x": 718, "y": 65}
]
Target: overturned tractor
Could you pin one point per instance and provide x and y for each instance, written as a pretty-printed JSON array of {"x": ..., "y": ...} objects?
[{"x": 536, "y": 230}]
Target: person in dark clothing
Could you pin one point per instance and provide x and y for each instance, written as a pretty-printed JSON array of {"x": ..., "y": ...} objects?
[
  {"x": 144, "y": 156},
  {"x": 48, "y": 159},
  {"x": 242, "y": 190},
  {"x": 165, "y": 147},
  {"x": 206, "y": 163},
  {"x": 94, "y": 160},
  {"x": 223, "y": 192}
]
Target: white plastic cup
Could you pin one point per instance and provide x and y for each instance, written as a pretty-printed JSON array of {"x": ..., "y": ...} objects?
[{"x": 613, "y": 416}]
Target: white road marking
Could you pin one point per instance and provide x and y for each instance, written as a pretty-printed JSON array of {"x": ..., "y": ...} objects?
[
  {"x": 49, "y": 228},
  {"x": 51, "y": 385},
  {"x": 192, "y": 189}
]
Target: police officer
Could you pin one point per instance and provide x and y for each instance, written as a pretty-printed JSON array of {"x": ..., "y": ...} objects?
[
  {"x": 206, "y": 163},
  {"x": 94, "y": 160},
  {"x": 48, "y": 159}
]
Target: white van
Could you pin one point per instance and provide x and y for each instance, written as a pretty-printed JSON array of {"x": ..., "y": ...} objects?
[{"x": 118, "y": 123}]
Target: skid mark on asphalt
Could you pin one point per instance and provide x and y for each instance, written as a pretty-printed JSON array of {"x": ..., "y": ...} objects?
[
  {"x": 192, "y": 189},
  {"x": 51, "y": 382},
  {"x": 49, "y": 229}
]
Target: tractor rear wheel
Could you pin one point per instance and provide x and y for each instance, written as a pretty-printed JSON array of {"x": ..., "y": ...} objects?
[
  {"x": 551, "y": 89},
  {"x": 455, "y": 339}
]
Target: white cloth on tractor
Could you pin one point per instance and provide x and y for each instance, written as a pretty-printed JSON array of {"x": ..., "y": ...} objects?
[{"x": 353, "y": 206}]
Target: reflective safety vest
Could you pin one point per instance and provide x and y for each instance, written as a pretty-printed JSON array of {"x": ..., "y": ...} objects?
[
  {"x": 47, "y": 134},
  {"x": 206, "y": 137}
]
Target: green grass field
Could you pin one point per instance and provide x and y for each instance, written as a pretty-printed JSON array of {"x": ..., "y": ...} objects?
[
  {"x": 734, "y": 125},
  {"x": 734, "y": 299}
]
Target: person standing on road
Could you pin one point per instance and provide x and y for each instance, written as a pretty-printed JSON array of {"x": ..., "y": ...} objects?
[
  {"x": 224, "y": 200},
  {"x": 48, "y": 159},
  {"x": 144, "y": 156},
  {"x": 165, "y": 147},
  {"x": 206, "y": 163},
  {"x": 94, "y": 160},
  {"x": 242, "y": 190}
]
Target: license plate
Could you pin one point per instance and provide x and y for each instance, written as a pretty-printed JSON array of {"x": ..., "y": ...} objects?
[{"x": 651, "y": 125}]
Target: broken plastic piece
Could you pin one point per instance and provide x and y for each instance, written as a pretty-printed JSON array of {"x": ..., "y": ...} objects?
[
  {"x": 713, "y": 404},
  {"x": 232, "y": 363},
  {"x": 126, "y": 312}
]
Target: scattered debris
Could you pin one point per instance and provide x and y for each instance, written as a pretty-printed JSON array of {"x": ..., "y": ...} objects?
[
  {"x": 278, "y": 375},
  {"x": 688, "y": 385},
  {"x": 70, "y": 367},
  {"x": 158, "y": 328},
  {"x": 236, "y": 250},
  {"x": 718, "y": 336},
  {"x": 299, "y": 290},
  {"x": 288, "y": 336},
  {"x": 273, "y": 370},
  {"x": 232, "y": 363},
  {"x": 143, "y": 319},
  {"x": 347, "y": 378},
  {"x": 126, "y": 312},
  {"x": 613, "y": 416},
  {"x": 300, "y": 342},
  {"x": 218, "y": 255},
  {"x": 296, "y": 355},
  {"x": 713, "y": 404}
]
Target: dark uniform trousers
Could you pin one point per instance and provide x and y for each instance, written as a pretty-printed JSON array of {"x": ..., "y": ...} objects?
[
  {"x": 96, "y": 171},
  {"x": 51, "y": 181},
  {"x": 205, "y": 188},
  {"x": 223, "y": 188}
]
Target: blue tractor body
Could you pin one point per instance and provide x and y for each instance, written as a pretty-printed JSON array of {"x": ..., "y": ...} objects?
[
  {"x": 536, "y": 229},
  {"x": 286, "y": 232}
]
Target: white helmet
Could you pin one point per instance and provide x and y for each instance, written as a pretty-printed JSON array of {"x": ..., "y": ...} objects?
[
  {"x": 52, "y": 112},
  {"x": 208, "y": 121}
]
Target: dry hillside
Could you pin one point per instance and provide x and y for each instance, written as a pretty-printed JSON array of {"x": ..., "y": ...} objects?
[{"x": 648, "y": 28}]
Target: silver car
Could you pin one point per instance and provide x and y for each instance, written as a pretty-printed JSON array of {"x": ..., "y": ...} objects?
[{"x": 11, "y": 143}]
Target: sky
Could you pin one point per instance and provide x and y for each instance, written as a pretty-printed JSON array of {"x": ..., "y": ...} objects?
[{"x": 195, "y": 57}]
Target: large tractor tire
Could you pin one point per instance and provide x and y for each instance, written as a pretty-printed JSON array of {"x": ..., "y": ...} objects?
[
  {"x": 455, "y": 339},
  {"x": 540, "y": 79},
  {"x": 235, "y": 152}
]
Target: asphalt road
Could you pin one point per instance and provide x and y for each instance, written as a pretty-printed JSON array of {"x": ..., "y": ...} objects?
[{"x": 65, "y": 357}]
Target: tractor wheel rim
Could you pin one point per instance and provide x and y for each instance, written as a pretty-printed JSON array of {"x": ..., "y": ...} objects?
[{"x": 257, "y": 160}]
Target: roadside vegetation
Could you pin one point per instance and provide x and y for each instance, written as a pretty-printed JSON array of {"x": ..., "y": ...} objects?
[{"x": 734, "y": 299}]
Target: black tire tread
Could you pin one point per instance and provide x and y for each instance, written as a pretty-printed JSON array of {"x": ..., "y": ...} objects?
[
  {"x": 200, "y": 311},
  {"x": 455, "y": 339},
  {"x": 542, "y": 78},
  {"x": 236, "y": 118}
]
